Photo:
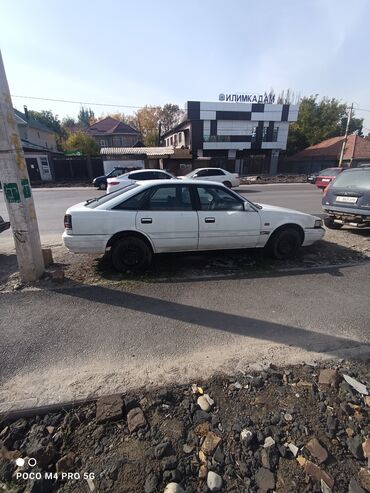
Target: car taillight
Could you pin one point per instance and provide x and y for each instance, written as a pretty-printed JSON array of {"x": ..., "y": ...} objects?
[
  {"x": 68, "y": 221},
  {"x": 113, "y": 182}
]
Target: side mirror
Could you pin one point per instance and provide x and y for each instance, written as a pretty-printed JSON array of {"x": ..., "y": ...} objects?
[{"x": 247, "y": 207}]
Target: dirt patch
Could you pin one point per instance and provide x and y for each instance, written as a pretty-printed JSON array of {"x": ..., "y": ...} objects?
[
  {"x": 338, "y": 247},
  {"x": 281, "y": 429},
  {"x": 263, "y": 179}
]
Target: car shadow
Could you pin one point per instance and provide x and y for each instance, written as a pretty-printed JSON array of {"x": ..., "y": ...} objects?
[{"x": 8, "y": 266}]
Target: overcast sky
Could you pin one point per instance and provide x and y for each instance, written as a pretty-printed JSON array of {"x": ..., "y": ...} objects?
[{"x": 142, "y": 52}]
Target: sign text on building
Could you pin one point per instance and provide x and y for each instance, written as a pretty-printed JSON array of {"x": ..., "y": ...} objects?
[{"x": 248, "y": 98}]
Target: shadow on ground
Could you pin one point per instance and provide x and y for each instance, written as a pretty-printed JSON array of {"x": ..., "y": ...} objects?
[{"x": 8, "y": 266}]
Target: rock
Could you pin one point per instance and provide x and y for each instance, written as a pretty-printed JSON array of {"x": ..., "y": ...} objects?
[
  {"x": 355, "y": 446},
  {"x": 246, "y": 436},
  {"x": 329, "y": 378},
  {"x": 317, "y": 450},
  {"x": 203, "y": 471},
  {"x": 151, "y": 483},
  {"x": 211, "y": 442},
  {"x": 324, "y": 487},
  {"x": 202, "y": 429},
  {"x": 265, "y": 479},
  {"x": 270, "y": 457},
  {"x": 366, "y": 448},
  {"x": 173, "y": 488},
  {"x": 163, "y": 449},
  {"x": 361, "y": 388},
  {"x": 41, "y": 486},
  {"x": 169, "y": 463},
  {"x": 44, "y": 455},
  {"x": 367, "y": 400},
  {"x": 269, "y": 442},
  {"x": 364, "y": 478},
  {"x": 91, "y": 485},
  {"x": 48, "y": 257},
  {"x": 188, "y": 448},
  {"x": 200, "y": 416},
  {"x": 318, "y": 474},
  {"x": 66, "y": 463},
  {"x": 214, "y": 481},
  {"x": 219, "y": 456},
  {"x": 109, "y": 408},
  {"x": 354, "y": 487},
  {"x": 288, "y": 417},
  {"x": 50, "y": 429},
  {"x": 135, "y": 419},
  {"x": 205, "y": 402},
  {"x": 57, "y": 276},
  {"x": 293, "y": 448}
]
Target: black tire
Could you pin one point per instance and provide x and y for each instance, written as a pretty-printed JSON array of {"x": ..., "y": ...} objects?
[
  {"x": 102, "y": 186},
  {"x": 227, "y": 184},
  {"x": 330, "y": 224},
  {"x": 131, "y": 254},
  {"x": 284, "y": 243}
]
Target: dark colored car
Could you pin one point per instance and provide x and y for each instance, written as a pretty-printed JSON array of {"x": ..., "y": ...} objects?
[
  {"x": 101, "y": 181},
  {"x": 347, "y": 199},
  {"x": 312, "y": 178},
  {"x": 4, "y": 225},
  {"x": 326, "y": 176}
]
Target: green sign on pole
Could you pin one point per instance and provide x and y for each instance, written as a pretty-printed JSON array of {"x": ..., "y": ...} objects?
[
  {"x": 26, "y": 188},
  {"x": 11, "y": 192}
]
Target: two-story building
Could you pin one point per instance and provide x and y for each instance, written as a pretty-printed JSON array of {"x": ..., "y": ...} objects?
[
  {"x": 110, "y": 132},
  {"x": 39, "y": 145},
  {"x": 242, "y": 137}
]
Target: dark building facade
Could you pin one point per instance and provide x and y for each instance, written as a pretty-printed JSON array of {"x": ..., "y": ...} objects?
[{"x": 244, "y": 138}]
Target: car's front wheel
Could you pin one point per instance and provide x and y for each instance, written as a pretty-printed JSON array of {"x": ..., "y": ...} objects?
[
  {"x": 131, "y": 254},
  {"x": 227, "y": 184},
  {"x": 102, "y": 186},
  {"x": 330, "y": 224},
  {"x": 284, "y": 243}
]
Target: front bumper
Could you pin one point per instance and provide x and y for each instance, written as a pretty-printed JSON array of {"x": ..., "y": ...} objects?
[
  {"x": 312, "y": 235},
  {"x": 85, "y": 243}
]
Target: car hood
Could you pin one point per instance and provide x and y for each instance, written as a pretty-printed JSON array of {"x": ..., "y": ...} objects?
[{"x": 268, "y": 210}]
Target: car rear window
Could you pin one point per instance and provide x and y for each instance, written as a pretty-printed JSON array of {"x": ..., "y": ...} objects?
[
  {"x": 92, "y": 203},
  {"x": 330, "y": 172},
  {"x": 353, "y": 179}
]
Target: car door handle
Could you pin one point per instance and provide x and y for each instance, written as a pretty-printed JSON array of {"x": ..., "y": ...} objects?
[
  {"x": 146, "y": 220},
  {"x": 210, "y": 220}
]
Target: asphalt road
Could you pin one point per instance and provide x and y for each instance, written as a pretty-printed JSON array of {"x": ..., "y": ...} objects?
[
  {"x": 51, "y": 203},
  {"x": 72, "y": 343}
]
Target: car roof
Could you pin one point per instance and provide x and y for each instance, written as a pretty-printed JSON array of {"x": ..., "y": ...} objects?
[
  {"x": 364, "y": 168},
  {"x": 179, "y": 181},
  {"x": 148, "y": 169}
]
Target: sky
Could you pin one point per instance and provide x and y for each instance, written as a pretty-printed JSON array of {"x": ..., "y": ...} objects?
[{"x": 152, "y": 52}]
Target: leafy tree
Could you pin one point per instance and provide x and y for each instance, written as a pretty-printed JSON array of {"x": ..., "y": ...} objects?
[
  {"x": 81, "y": 141},
  {"x": 50, "y": 120},
  {"x": 146, "y": 120},
  {"x": 319, "y": 120},
  {"x": 84, "y": 116},
  {"x": 170, "y": 115}
]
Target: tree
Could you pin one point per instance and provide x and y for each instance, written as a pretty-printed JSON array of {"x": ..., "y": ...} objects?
[
  {"x": 84, "y": 116},
  {"x": 319, "y": 120},
  {"x": 81, "y": 141},
  {"x": 146, "y": 120},
  {"x": 52, "y": 122},
  {"x": 170, "y": 115}
]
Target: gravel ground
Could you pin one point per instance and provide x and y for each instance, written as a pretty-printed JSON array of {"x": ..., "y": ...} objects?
[
  {"x": 298, "y": 429},
  {"x": 339, "y": 247}
]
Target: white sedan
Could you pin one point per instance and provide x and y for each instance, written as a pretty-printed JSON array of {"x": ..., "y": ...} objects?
[
  {"x": 230, "y": 180},
  {"x": 123, "y": 181},
  {"x": 182, "y": 215}
]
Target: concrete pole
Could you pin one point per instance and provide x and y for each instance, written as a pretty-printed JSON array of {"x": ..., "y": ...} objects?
[
  {"x": 17, "y": 190},
  {"x": 345, "y": 137}
]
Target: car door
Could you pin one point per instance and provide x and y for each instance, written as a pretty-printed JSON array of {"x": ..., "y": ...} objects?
[
  {"x": 169, "y": 218},
  {"x": 223, "y": 222}
]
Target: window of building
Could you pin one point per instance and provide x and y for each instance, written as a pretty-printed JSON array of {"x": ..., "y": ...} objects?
[
  {"x": 117, "y": 141},
  {"x": 275, "y": 134},
  {"x": 171, "y": 140},
  {"x": 102, "y": 142},
  {"x": 180, "y": 137}
]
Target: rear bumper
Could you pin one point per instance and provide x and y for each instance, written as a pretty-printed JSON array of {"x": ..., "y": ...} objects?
[
  {"x": 313, "y": 234},
  {"x": 346, "y": 215},
  {"x": 85, "y": 243}
]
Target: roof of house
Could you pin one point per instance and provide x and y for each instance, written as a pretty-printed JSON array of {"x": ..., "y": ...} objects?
[
  {"x": 21, "y": 119},
  {"x": 110, "y": 125},
  {"x": 356, "y": 148},
  {"x": 149, "y": 151},
  {"x": 30, "y": 146},
  {"x": 175, "y": 128}
]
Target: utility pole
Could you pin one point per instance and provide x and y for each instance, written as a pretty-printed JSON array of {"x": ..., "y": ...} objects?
[
  {"x": 345, "y": 136},
  {"x": 17, "y": 189}
]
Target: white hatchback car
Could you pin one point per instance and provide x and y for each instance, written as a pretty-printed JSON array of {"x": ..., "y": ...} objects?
[
  {"x": 123, "y": 181},
  {"x": 182, "y": 215},
  {"x": 230, "y": 180}
]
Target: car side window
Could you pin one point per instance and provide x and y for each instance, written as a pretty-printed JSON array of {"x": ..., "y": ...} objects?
[
  {"x": 169, "y": 198},
  {"x": 218, "y": 199},
  {"x": 116, "y": 172},
  {"x": 201, "y": 172},
  {"x": 217, "y": 172},
  {"x": 146, "y": 175},
  {"x": 133, "y": 203}
]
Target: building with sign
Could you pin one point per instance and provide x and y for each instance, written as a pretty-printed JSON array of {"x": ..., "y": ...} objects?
[{"x": 242, "y": 137}]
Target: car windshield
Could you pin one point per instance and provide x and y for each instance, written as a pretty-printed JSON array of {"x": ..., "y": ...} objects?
[
  {"x": 330, "y": 172},
  {"x": 353, "y": 179},
  {"x": 94, "y": 202}
]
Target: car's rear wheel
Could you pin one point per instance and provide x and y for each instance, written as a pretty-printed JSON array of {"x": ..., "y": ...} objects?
[
  {"x": 102, "y": 186},
  {"x": 284, "y": 243},
  {"x": 131, "y": 254},
  {"x": 330, "y": 224},
  {"x": 227, "y": 184}
]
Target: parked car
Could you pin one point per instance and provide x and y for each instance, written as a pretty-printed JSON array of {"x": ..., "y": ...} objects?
[
  {"x": 326, "y": 176},
  {"x": 347, "y": 199},
  {"x": 182, "y": 215},
  {"x": 215, "y": 174},
  {"x": 101, "y": 181},
  {"x": 141, "y": 174},
  {"x": 312, "y": 178},
  {"x": 4, "y": 225}
]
